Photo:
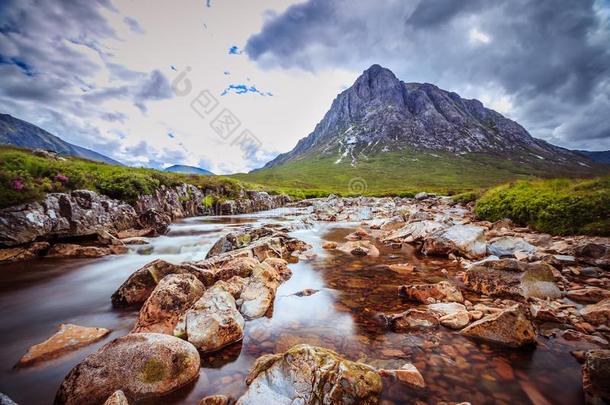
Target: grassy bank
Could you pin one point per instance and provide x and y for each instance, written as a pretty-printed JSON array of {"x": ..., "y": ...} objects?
[
  {"x": 25, "y": 177},
  {"x": 558, "y": 206},
  {"x": 401, "y": 173}
]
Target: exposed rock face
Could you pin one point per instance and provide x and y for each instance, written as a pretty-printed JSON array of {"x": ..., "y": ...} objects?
[
  {"x": 462, "y": 240},
  {"x": 69, "y": 337},
  {"x": 80, "y": 213},
  {"x": 213, "y": 322},
  {"x": 310, "y": 375},
  {"x": 431, "y": 293},
  {"x": 512, "y": 278},
  {"x": 158, "y": 364},
  {"x": 173, "y": 295},
  {"x": 595, "y": 377},
  {"x": 510, "y": 327},
  {"x": 597, "y": 314}
]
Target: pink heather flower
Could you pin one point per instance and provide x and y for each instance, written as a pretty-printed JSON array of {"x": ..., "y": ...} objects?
[
  {"x": 61, "y": 178},
  {"x": 17, "y": 184}
]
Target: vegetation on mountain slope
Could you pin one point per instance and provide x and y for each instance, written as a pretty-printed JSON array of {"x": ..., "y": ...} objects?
[
  {"x": 557, "y": 206},
  {"x": 25, "y": 177}
]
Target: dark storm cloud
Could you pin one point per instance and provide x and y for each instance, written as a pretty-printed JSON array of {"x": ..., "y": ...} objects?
[{"x": 547, "y": 57}]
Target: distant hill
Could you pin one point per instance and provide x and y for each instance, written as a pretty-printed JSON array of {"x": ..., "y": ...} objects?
[
  {"x": 188, "y": 170},
  {"x": 597, "y": 156},
  {"x": 16, "y": 132}
]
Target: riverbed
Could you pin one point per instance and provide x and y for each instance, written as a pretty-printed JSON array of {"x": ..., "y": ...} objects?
[{"x": 344, "y": 314}]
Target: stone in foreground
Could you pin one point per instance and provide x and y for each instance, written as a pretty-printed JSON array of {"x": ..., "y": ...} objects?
[
  {"x": 443, "y": 291},
  {"x": 510, "y": 327},
  {"x": 310, "y": 375},
  {"x": 408, "y": 374},
  {"x": 461, "y": 240},
  {"x": 596, "y": 377},
  {"x": 118, "y": 398},
  {"x": 69, "y": 337},
  {"x": 214, "y": 400},
  {"x": 140, "y": 364},
  {"x": 597, "y": 314}
]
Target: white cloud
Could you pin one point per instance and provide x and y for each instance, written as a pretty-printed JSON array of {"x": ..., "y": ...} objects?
[{"x": 478, "y": 36}]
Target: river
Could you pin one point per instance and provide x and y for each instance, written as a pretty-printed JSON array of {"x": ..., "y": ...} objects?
[{"x": 343, "y": 315}]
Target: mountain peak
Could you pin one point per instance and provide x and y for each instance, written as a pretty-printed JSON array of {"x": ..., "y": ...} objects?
[{"x": 379, "y": 113}]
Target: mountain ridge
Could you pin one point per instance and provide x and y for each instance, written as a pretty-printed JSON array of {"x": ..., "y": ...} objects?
[
  {"x": 188, "y": 170},
  {"x": 380, "y": 113},
  {"x": 23, "y": 134}
]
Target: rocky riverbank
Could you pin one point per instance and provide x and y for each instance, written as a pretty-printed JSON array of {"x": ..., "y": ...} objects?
[
  {"x": 86, "y": 224},
  {"x": 504, "y": 288}
]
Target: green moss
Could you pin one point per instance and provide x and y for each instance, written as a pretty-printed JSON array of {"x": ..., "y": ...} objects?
[
  {"x": 466, "y": 197},
  {"x": 208, "y": 201},
  {"x": 153, "y": 371},
  {"x": 558, "y": 206}
]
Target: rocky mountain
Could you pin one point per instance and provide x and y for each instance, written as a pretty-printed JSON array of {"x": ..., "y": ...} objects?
[
  {"x": 188, "y": 170},
  {"x": 597, "y": 156},
  {"x": 381, "y": 114},
  {"x": 16, "y": 132}
]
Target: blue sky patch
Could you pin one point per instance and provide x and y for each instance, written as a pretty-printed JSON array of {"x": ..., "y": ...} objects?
[
  {"x": 234, "y": 50},
  {"x": 244, "y": 89},
  {"x": 25, "y": 68}
]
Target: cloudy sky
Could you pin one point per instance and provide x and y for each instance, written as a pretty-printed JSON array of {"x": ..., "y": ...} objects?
[{"x": 154, "y": 83}]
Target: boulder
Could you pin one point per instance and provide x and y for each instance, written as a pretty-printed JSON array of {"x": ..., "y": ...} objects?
[
  {"x": 461, "y": 240},
  {"x": 238, "y": 240},
  {"x": 446, "y": 308},
  {"x": 512, "y": 278},
  {"x": 509, "y": 327},
  {"x": 443, "y": 291},
  {"x": 259, "y": 291},
  {"x": 456, "y": 320},
  {"x": 414, "y": 231},
  {"x": 310, "y": 375},
  {"x": 138, "y": 287},
  {"x": 213, "y": 322},
  {"x": 6, "y": 400},
  {"x": 214, "y": 400},
  {"x": 118, "y": 398},
  {"x": 26, "y": 252},
  {"x": 597, "y": 314},
  {"x": 158, "y": 221},
  {"x": 595, "y": 377},
  {"x": 59, "y": 215},
  {"x": 70, "y": 250},
  {"x": 412, "y": 319},
  {"x": 408, "y": 374},
  {"x": 69, "y": 337},
  {"x": 508, "y": 246},
  {"x": 139, "y": 364},
  {"x": 173, "y": 295}
]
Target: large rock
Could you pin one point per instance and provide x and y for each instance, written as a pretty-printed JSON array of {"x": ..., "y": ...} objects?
[
  {"x": 408, "y": 374},
  {"x": 508, "y": 246},
  {"x": 414, "y": 231},
  {"x": 139, "y": 364},
  {"x": 310, "y": 375},
  {"x": 597, "y": 314},
  {"x": 596, "y": 377},
  {"x": 359, "y": 248},
  {"x": 26, "y": 252},
  {"x": 59, "y": 215},
  {"x": 173, "y": 295},
  {"x": 71, "y": 250},
  {"x": 259, "y": 291},
  {"x": 213, "y": 322},
  {"x": 443, "y": 291},
  {"x": 158, "y": 221},
  {"x": 238, "y": 240},
  {"x": 412, "y": 319},
  {"x": 118, "y": 398},
  {"x": 510, "y": 327},
  {"x": 512, "y": 278},
  {"x": 69, "y": 337},
  {"x": 138, "y": 287},
  {"x": 462, "y": 240}
]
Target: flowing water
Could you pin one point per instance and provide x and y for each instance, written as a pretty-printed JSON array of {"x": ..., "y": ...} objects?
[{"x": 343, "y": 315}]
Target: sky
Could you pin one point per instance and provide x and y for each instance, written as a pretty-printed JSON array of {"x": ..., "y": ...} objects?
[{"x": 227, "y": 84}]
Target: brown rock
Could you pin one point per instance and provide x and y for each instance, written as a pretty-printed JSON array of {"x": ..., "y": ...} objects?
[
  {"x": 595, "y": 377},
  {"x": 588, "y": 294},
  {"x": 329, "y": 245},
  {"x": 359, "y": 248},
  {"x": 69, "y": 337},
  {"x": 173, "y": 295},
  {"x": 597, "y": 314},
  {"x": 408, "y": 374},
  {"x": 139, "y": 364},
  {"x": 443, "y": 291},
  {"x": 402, "y": 268},
  {"x": 510, "y": 327},
  {"x": 412, "y": 319},
  {"x": 27, "y": 252},
  {"x": 69, "y": 250},
  {"x": 135, "y": 233},
  {"x": 456, "y": 320},
  {"x": 214, "y": 400}
]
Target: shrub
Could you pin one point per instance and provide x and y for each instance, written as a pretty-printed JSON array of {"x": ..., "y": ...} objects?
[
  {"x": 465, "y": 198},
  {"x": 559, "y": 206}
]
